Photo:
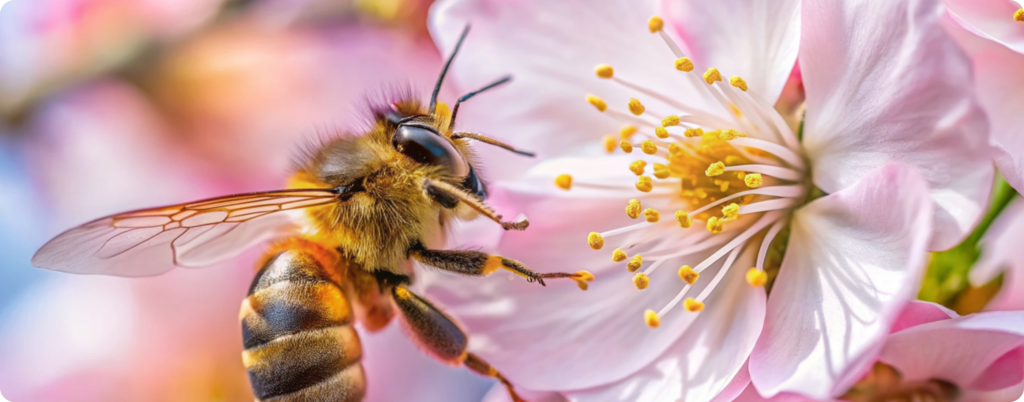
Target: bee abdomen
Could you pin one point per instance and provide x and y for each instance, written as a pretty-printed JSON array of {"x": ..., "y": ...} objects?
[{"x": 297, "y": 330}]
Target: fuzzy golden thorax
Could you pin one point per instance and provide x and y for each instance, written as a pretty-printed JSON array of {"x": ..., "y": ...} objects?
[{"x": 376, "y": 227}]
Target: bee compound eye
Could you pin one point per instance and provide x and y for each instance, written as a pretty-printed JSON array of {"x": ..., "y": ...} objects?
[{"x": 424, "y": 145}]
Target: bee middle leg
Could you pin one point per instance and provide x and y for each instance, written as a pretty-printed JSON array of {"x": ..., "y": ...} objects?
[
  {"x": 441, "y": 337},
  {"x": 476, "y": 263}
]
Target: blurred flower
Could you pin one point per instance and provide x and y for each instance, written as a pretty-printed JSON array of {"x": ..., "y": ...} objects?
[
  {"x": 991, "y": 33},
  {"x": 47, "y": 43},
  {"x": 1000, "y": 254},
  {"x": 878, "y": 90},
  {"x": 935, "y": 354}
]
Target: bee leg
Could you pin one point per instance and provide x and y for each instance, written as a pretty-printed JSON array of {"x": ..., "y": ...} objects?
[
  {"x": 476, "y": 263},
  {"x": 441, "y": 337}
]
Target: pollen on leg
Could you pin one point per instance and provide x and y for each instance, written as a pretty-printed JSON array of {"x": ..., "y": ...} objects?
[
  {"x": 692, "y": 305},
  {"x": 618, "y": 255},
  {"x": 715, "y": 169},
  {"x": 635, "y": 107},
  {"x": 684, "y": 219},
  {"x": 641, "y": 280},
  {"x": 736, "y": 82},
  {"x": 643, "y": 183},
  {"x": 687, "y": 274},
  {"x": 661, "y": 132},
  {"x": 712, "y": 75},
  {"x": 655, "y": 24},
  {"x": 634, "y": 263},
  {"x": 604, "y": 71},
  {"x": 684, "y": 64},
  {"x": 633, "y": 208},
  {"x": 753, "y": 180},
  {"x": 626, "y": 146},
  {"x": 595, "y": 240},
  {"x": 756, "y": 277},
  {"x": 581, "y": 278},
  {"x": 637, "y": 167},
  {"x": 627, "y": 131},
  {"x": 651, "y": 215},
  {"x": 609, "y": 143},
  {"x": 648, "y": 147},
  {"x": 563, "y": 181},
  {"x": 597, "y": 102},
  {"x": 651, "y": 319}
]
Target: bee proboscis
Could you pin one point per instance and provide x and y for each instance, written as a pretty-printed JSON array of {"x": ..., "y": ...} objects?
[{"x": 358, "y": 209}]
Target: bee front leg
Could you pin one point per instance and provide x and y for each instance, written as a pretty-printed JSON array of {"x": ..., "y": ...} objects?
[
  {"x": 441, "y": 337},
  {"x": 476, "y": 263}
]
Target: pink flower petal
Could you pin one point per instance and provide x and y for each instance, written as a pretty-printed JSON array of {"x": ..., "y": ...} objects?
[
  {"x": 982, "y": 351},
  {"x": 919, "y": 312},
  {"x": 853, "y": 258},
  {"x": 886, "y": 84},
  {"x": 992, "y": 19},
  {"x": 758, "y": 43},
  {"x": 1000, "y": 253}
]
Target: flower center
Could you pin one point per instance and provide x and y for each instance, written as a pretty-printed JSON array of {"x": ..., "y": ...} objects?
[{"x": 738, "y": 168}]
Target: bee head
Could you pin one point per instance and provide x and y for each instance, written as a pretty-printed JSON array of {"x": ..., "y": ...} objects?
[{"x": 422, "y": 143}]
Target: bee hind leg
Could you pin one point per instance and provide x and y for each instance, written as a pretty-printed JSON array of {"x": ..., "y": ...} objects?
[
  {"x": 476, "y": 263},
  {"x": 441, "y": 337}
]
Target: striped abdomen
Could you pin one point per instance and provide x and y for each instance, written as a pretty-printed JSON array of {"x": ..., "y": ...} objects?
[{"x": 297, "y": 330}]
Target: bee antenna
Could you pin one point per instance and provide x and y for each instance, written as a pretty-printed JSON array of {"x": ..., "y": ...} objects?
[
  {"x": 440, "y": 79},
  {"x": 466, "y": 97}
]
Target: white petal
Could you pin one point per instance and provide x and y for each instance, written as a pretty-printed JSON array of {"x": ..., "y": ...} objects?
[
  {"x": 552, "y": 55},
  {"x": 756, "y": 40},
  {"x": 854, "y": 257},
  {"x": 886, "y": 84},
  {"x": 704, "y": 361}
]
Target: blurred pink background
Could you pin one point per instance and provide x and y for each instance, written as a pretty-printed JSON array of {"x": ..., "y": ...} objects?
[{"x": 110, "y": 105}]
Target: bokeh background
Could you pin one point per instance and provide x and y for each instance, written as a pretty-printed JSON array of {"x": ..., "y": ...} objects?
[{"x": 110, "y": 105}]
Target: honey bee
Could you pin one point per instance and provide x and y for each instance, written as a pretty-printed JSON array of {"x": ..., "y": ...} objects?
[{"x": 357, "y": 210}]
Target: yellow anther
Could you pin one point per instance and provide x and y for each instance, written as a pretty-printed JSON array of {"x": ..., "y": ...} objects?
[
  {"x": 661, "y": 171},
  {"x": 563, "y": 181},
  {"x": 688, "y": 274},
  {"x": 634, "y": 263},
  {"x": 641, "y": 280},
  {"x": 597, "y": 102},
  {"x": 627, "y": 131},
  {"x": 671, "y": 120},
  {"x": 715, "y": 225},
  {"x": 661, "y": 132},
  {"x": 619, "y": 255},
  {"x": 730, "y": 134},
  {"x": 609, "y": 143},
  {"x": 674, "y": 148},
  {"x": 635, "y": 107},
  {"x": 643, "y": 183},
  {"x": 1019, "y": 15},
  {"x": 651, "y": 318},
  {"x": 692, "y": 305},
  {"x": 684, "y": 219},
  {"x": 694, "y": 132},
  {"x": 731, "y": 212},
  {"x": 637, "y": 167},
  {"x": 651, "y": 215},
  {"x": 736, "y": 82},
  {"x": 756, "y": 277},
  {"x": 604, "y": 71},
  {"x": 715, "y": 169},
  {"x": 753, "y": 180},
  {"x": 595, "y": 240},
  {"x": 684, "y": 64},
  {"x": 626, "y": 146},
  {"x": 633, "y": 208},
  {"x": 648, "y": 147},
  {"x": 443, "y": 110},
  {"x": 655, "y": 24},
  {"x": 712, "y": 75}
]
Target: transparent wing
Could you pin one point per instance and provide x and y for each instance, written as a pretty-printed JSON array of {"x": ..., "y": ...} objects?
[{"x": 152, "y": 241}]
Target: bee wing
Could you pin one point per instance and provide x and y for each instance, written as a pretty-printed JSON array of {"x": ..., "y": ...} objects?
[{"x": 152, "y": 241}]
